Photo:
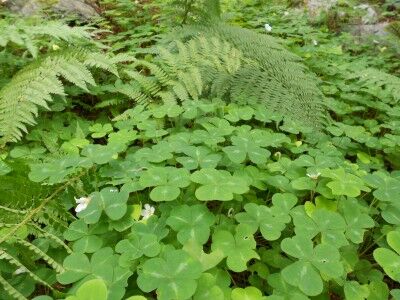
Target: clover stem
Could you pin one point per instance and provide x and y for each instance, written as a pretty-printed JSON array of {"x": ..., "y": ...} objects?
[{"x": 372, "y": 244}]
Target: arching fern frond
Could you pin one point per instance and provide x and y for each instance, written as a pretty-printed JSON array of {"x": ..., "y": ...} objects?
[
  {"x": 34, "y": 85},
  {"x": 28, "y": 33},
  {"x": 268, "y": 73}
]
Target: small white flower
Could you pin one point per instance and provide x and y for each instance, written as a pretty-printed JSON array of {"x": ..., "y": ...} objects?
[
  {"x": 82, "y": 202},
  {"x": 147, "y": 212},
  {"x": 268, "y": 27},
  {"x": 286, "y": 13},
  {"x": 314, "y": 176},
  {"x": 20, "y": 270},
  {"x": 315, "y": 42},
  {"x": 55, "y": 47}
]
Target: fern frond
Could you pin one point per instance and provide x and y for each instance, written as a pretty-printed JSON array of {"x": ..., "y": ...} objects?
[
  {"x": 385, "y": 86},
  {"x": 29, "y": 35},
  {"x": 14, "y": 293},
  {"x": 14, "y": 261},
  {"x": 242, "y": 65},
  {"x": 50, "y": 261},
  {"x": 394, "y": 28},
  {"x": 34, "y": 85}
]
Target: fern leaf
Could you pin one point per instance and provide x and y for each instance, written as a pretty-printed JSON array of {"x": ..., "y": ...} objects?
[{"x": 14, "y": 293}]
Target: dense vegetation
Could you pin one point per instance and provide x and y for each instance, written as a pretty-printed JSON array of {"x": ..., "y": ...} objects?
[{"x": 200, "y": 150}]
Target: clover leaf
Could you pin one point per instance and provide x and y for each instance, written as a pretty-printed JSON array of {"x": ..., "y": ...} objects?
[
  {"x": 191, "y": 222},
  {"x": 207, "y": 260},
  {"x": 218, "y": 185},
  {"x": 305, "y": 273},
  {"x": 387, "y": 187},
  {"x": 238, "y": 248},
  {"x": 356, "y": 291},
  {"x": 210, "y": 286},
  {"x": 198, "y": 156},
  {"x": 166, "y": 180},
  {"x": 158, "y": 153},
  {"x": 57, "y": 170},
  {"x": 94, "y": 289},
  {"x": 270, "y": 220},
  {"x": 85, "y": 241},
  {"x": 247, "y": 144},
  {"x": 136, "y": 246},
  {"x": 153, "y": 225},
  {"x": 357, "y": 222},
  {"x": 248, "y": 293},
  {"x": 330, "y": 224},
  {"x": 284, "y": 291},
  {"x": 102, "y": 265},
  {"x": 237, "y": 113},
  {"x": 344, "y": 183},
  {"x": 109, "y": 200},
  {"x": 100, "y": 130},
  {"x": 100, "y": 154},
  {"x": 173, "y": 276},
  {"x": 390, "y": 260}
]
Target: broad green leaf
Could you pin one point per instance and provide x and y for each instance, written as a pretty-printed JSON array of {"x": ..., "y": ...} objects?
[
  {"x": 357, "y": 222},
  {"x": 312, "y": 263},
  {"x": 354, "y": 291},
  {"x": 208, "y": 261},
  {"x": 239, "y": 248},
  {"x": 191, "y": 222},
  {"x": 248, "y": 293},
  {"x": 218, "y": 185},
  {"x": 387, "y": 188},
  {"x": 388, "y": 259},
  {"x": 174, "y": 276},
  {"x": 270, "y": 220},
  {"x": 344, "y": 183},
  {"x": 94, "y": 289},
  {"x": 109, "y": 200},
  {"x": 330, "y": 224},
  {"x": 378, "y": 290},
  {"x": 167, "y": 182},
  {"x": 198, "y": 157},
  {"x": 136, "y": 246}
]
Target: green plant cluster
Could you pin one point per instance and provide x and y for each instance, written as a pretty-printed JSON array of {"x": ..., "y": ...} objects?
[{"x": 154, "y": 178}]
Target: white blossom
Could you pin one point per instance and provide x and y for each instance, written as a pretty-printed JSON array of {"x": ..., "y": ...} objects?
[
  {"x": 315, "y": 42},
  {"x": 268, "y": 27},
  {"x": 147, "y": 212},
  {"x": 314, "y": 175},
  {"x": 82, "y": 202}
]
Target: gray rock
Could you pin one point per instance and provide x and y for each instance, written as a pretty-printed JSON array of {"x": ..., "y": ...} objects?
[
  {"x": 371, "y": 16},
  {"x": 315, "y": 7},
  {"x": 84, "y": 9},
  {"x": 368, "y": 29}
]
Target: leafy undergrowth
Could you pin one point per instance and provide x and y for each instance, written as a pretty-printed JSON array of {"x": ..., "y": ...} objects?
[{"x": 190, "y": 196}]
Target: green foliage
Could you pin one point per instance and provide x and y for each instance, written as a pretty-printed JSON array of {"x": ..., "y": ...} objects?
[{"x": 222, "y": 179}]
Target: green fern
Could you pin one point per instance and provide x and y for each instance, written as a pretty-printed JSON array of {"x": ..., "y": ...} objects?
[
  {"x": 230, "y": 63},
  {"x": 28, "y": 214},
  {"x": 394, "y": 28},
  {"x": 269, "y": 74},
  {"x": 382, "y": 85},
  {"x": 28, "y": 33},
  {"x": 34, "y": 85}
]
